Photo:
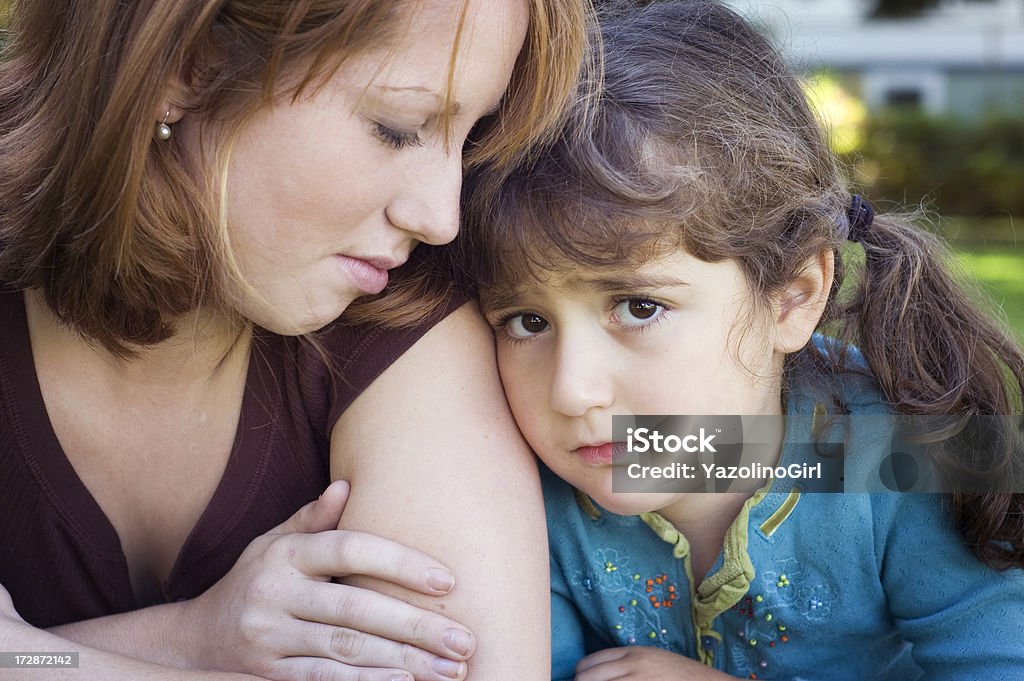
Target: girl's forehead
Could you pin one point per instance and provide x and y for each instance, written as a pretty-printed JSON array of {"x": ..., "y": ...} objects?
[
  {"x": 550, "y": 248},
  {"x": 656, "y": 268},
  {"x": 676, "y": 270}
]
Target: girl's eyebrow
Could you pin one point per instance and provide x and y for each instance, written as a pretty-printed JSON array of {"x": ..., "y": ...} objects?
[
  {"x": 626, "y": 281},
  {"x": 500, "y": 300},
  {"x": 630, "y": 281}
]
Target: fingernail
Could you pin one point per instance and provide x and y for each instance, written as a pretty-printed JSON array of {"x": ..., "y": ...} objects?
[
  {"x": 400, "y": 677},
  {"x": 440, "y": 580},
  {"x": 458, "y": 641},
  {"x": 449, "y": 668}
]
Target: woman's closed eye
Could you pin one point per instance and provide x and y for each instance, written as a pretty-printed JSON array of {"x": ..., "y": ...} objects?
[{"x": 396, "y": 139}]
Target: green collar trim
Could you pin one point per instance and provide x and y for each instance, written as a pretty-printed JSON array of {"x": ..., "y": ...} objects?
[
  {"x": 731, "y": 582},
  {"x": 723, "y": 589},
  {"x": 668, "y": 533},
  {"x": 782, "y": 513}
]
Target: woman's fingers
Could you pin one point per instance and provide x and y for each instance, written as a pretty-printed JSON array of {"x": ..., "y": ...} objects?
[
  {"x": 277, "y": 614},
  {"x": 320, "y": 550},
  {"x": 382, "y": 616},
  {"x": 340, "y": 553},
  {"x": 298, "y": 668},
  {"x": 317, "y": 516},
  {"x": 354, "y": 648}
]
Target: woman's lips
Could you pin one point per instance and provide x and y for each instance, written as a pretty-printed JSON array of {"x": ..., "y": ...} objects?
[{"x": 365, "y": 275}]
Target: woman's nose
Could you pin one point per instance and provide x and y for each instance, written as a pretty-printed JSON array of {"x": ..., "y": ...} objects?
[{"x": 427, "y": 206}]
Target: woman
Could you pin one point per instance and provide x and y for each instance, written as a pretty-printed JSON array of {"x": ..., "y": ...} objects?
[{"x": 184, "y": 189}]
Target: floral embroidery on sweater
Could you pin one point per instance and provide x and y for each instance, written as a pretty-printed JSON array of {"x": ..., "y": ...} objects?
[{"x": 645, "y": 600}]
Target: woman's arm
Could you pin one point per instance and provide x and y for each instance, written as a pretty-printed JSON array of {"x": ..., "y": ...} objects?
[
  {"x": 262, "y": 617},
  {"x": 93, "y": 664},
  {"x": 436, "y": 462}
]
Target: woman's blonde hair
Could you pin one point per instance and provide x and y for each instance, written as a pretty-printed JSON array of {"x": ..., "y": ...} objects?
[{"x": 113, "y": 225}]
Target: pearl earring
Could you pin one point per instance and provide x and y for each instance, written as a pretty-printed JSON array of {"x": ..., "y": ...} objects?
[{"x": 163, "y": 131}]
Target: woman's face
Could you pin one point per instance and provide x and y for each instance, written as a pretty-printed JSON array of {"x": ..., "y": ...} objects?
[{"x": 327, "y": 193}]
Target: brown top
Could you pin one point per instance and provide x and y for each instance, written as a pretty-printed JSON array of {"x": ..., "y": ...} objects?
[{"x": 60, "y": 557}]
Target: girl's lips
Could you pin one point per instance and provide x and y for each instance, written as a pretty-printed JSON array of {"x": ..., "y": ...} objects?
[
  {"x": 366, "y": 276},
  {"x": 600, "y": 455}
]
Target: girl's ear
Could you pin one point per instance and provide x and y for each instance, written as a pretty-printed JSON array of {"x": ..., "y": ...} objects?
[{"x": 799, "y": 306}]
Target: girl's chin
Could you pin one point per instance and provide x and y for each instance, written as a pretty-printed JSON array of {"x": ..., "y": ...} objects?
[{"x": 630, "y": 503}]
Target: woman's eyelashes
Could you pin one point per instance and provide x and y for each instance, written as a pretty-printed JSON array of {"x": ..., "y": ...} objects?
[{"x": 396, "y": 139}]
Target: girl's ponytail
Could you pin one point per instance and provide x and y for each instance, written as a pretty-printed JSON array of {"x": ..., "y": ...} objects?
[{"x": 934, "y": 353}]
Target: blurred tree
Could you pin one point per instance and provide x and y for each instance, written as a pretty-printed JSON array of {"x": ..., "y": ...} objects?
[
  {"x": 890, "y": 9},
  {"x": 842, "y": 114},
  {"x": 955, "y": 167}
]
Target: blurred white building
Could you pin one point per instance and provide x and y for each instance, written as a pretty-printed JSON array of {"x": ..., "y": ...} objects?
[{"x": 964, "y": 59}]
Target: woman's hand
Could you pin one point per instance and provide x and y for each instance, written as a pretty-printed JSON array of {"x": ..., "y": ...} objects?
[
  {"x": 643, "y": 663},
  {"x": 276, "y": 614}
]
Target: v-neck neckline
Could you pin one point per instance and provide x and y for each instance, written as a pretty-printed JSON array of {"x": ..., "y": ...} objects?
[{"x": 77, "y": 506}]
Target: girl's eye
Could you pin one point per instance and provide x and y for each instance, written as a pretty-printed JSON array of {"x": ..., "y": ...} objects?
[
  {"x": 637, "y": 311},
  {"x": 395, "y": 138},
  {"x": 525, "y": 325}
]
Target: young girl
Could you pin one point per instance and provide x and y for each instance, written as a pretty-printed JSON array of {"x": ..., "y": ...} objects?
[{"x": 674, "y": 253}]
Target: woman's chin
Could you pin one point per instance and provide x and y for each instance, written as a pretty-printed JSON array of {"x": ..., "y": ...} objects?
[{"x": 284, "y": 322}]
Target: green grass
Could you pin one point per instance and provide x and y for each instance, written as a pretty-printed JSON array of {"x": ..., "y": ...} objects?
[
  {"x": 990, "y": 255},
  {"x": 993, "y": 252},
  {"x": 999, "y": 268}
]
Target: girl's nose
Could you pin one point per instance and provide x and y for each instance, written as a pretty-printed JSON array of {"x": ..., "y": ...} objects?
[{"x": 582, "y": 380}]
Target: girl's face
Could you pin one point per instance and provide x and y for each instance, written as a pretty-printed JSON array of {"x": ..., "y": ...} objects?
[
  {"x": 674, "y": 337},
  {"x": 327, "y": 193}
]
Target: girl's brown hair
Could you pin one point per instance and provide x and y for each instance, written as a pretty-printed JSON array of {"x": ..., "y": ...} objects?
[
  {"x": 112, "y": 224},
  {"x": 702, "y": 139}
]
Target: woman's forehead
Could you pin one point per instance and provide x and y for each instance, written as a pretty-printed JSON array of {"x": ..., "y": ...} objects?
[{"x": 451, "y": 57}]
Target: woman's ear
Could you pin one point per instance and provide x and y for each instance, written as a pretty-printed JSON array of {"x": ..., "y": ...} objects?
[
  {"x": 178, "y": 96},
  {"x": 799, "y": 306},
  {"x": 168, "y": 113}
]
